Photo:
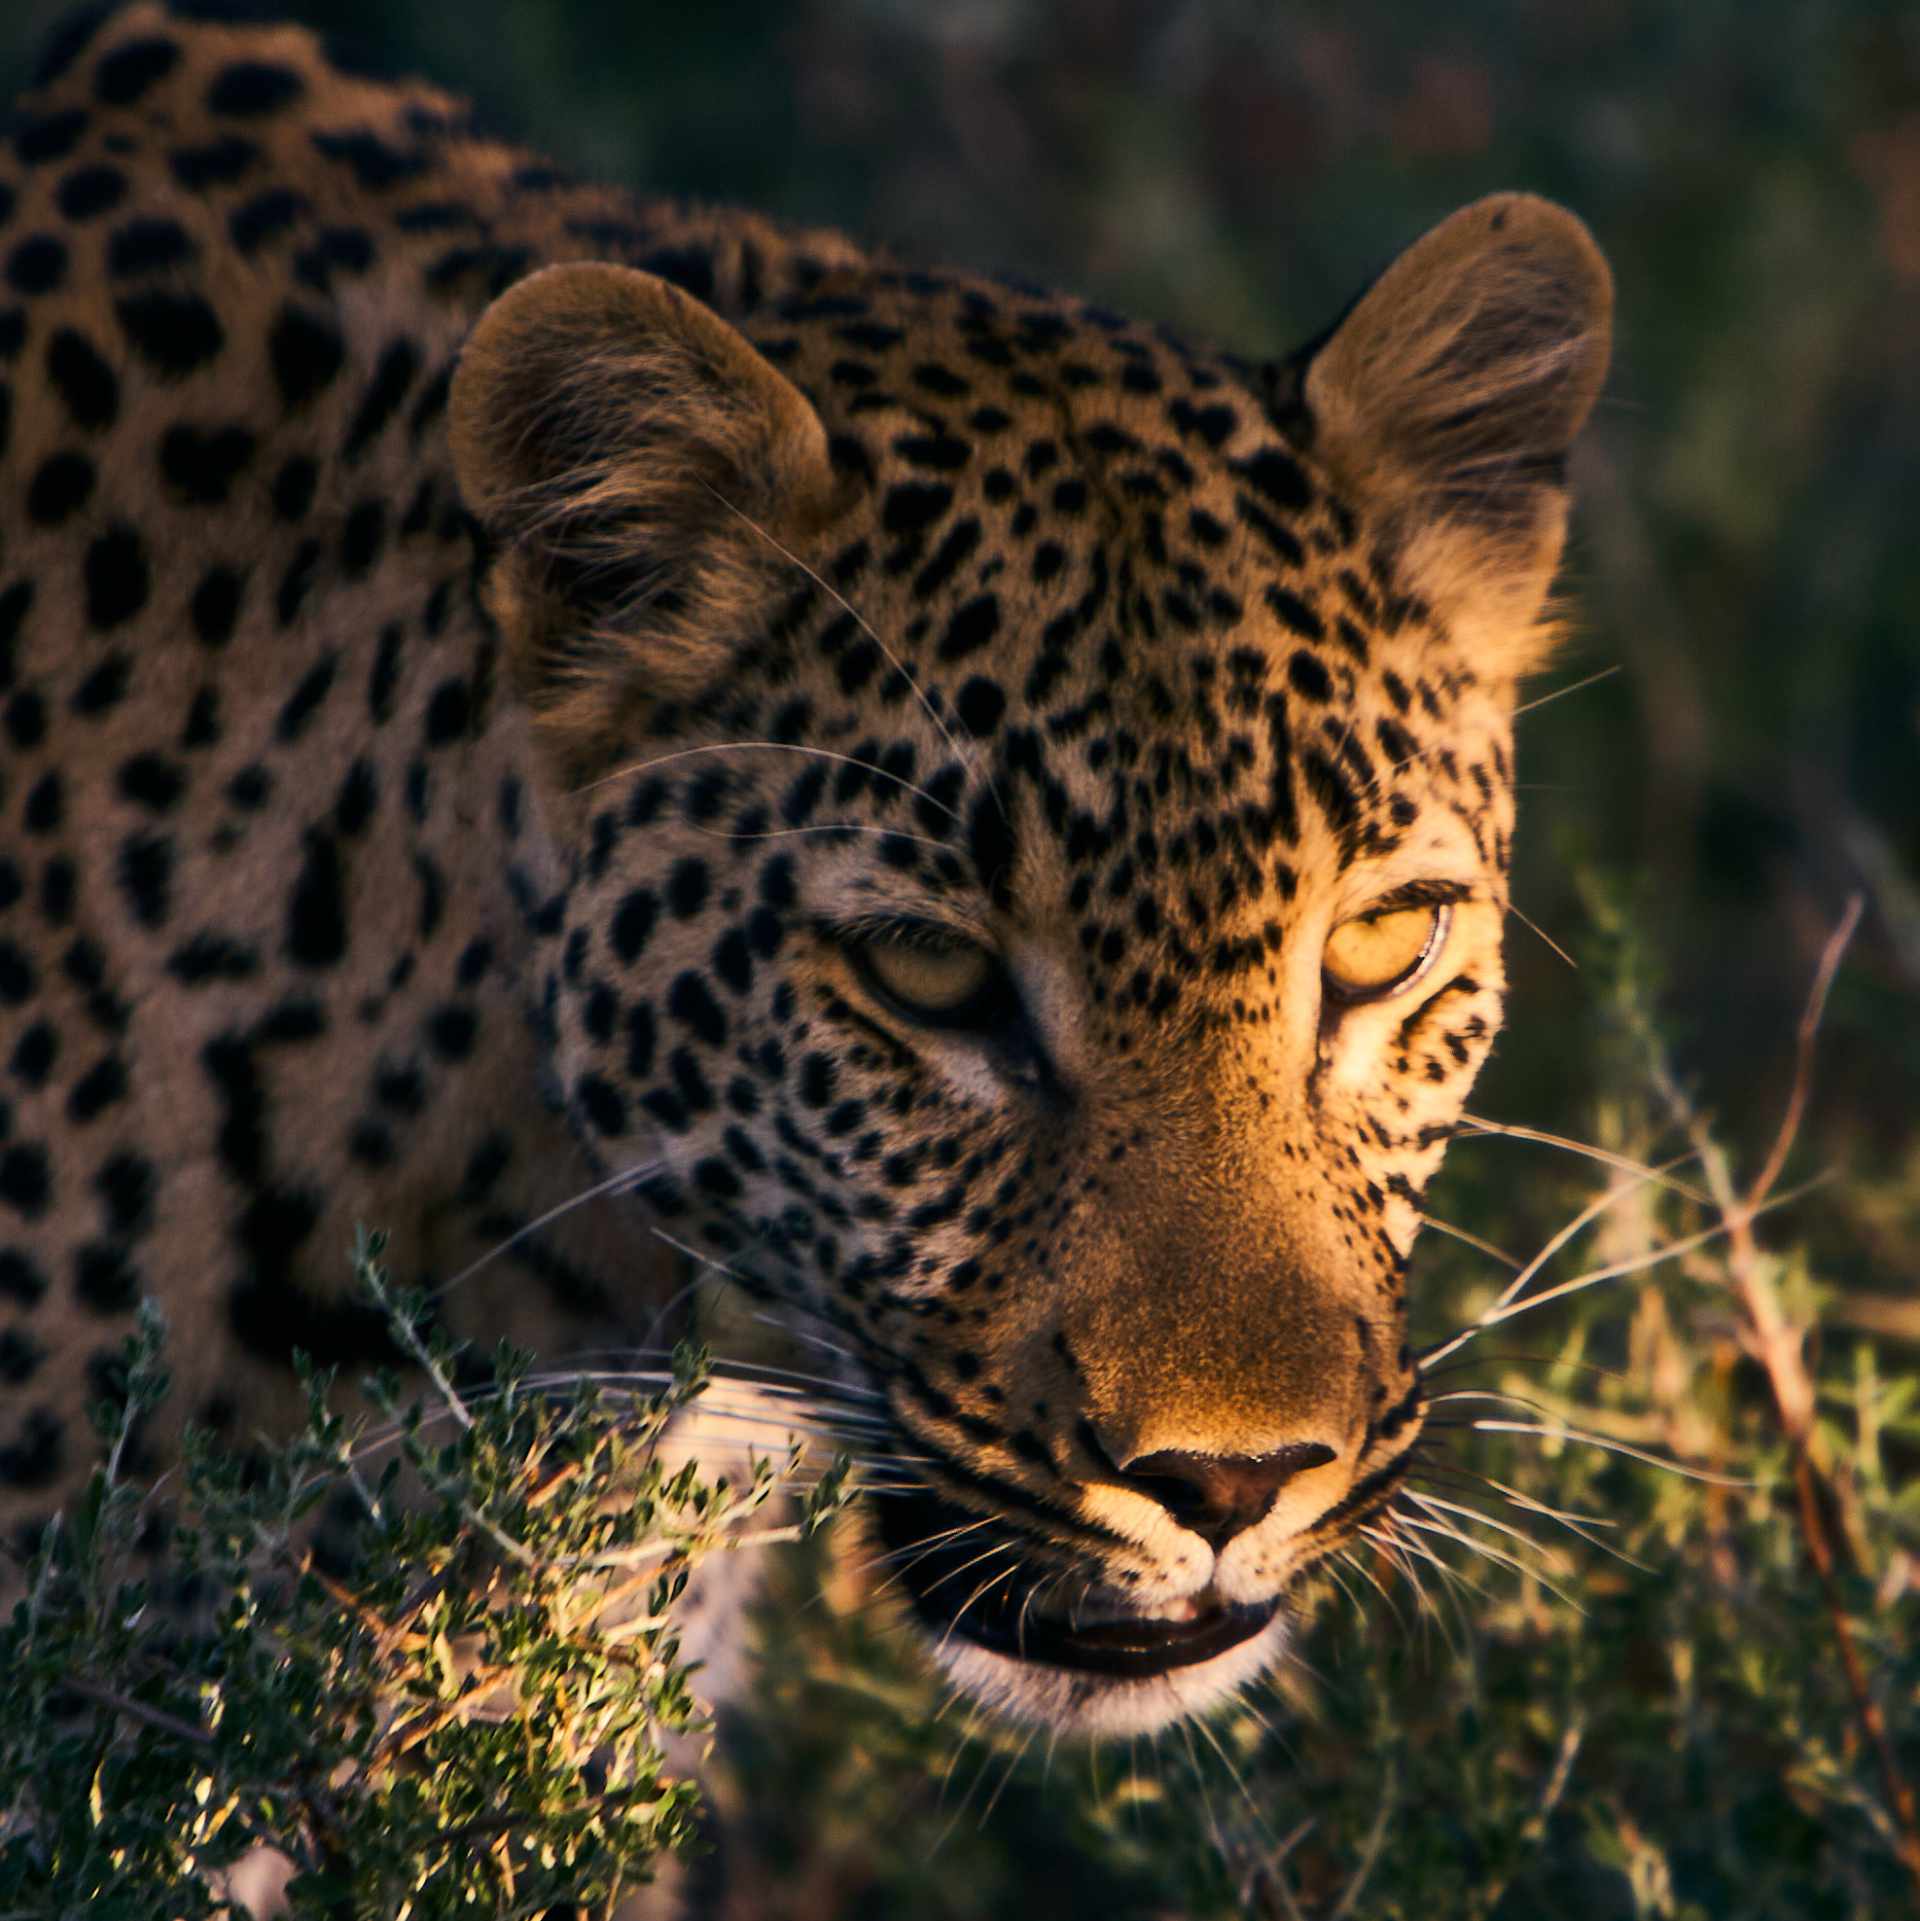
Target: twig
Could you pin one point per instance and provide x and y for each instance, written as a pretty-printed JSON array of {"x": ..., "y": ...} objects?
[
  {"x": 1779, "y": 1346},
  {"x": 138, "y": 1711}
]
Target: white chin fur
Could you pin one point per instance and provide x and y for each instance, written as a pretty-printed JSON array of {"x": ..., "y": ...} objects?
[{"x": 1076, "y": 1702}]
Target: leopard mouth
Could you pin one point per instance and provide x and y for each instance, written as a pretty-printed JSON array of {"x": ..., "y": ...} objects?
[{"x": 962, "y": 1588}]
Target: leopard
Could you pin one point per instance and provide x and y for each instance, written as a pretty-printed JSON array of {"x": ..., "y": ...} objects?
[{"x": 617, "y": 738}]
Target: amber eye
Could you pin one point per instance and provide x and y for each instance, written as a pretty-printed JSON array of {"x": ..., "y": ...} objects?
[
  {"x": 1374, "y": 955},
  {"x": 931, "y": 975}
]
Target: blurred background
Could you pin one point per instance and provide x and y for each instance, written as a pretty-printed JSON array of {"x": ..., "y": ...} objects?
[{"x": 1745, "y": 571}]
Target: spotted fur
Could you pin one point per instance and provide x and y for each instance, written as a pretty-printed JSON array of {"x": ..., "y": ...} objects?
[{"x": 483, "y": 657}]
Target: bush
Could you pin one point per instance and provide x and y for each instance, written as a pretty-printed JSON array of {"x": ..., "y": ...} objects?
[{"x": 468, "y": 1711}]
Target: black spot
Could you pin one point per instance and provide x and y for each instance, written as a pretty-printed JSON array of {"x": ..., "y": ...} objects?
[
  {"x": 104, "y": 1083},
  {"x": 20, "y": 1357},
  {"x": 733, "y": 961},
  {"x": 317, "y": 914},
  {"x": 385, "y": 676},
  {"x": 46, "y": 805},
  {"x": 51, "y": 137},
  {"x": 26, "y": 718},
  {"x": 148, "y": 246},
  {"x": 375, "y": 164},
  {"x": 971, "y": 628},
  {"x": 145, "y": 873},
  {"x": 691, "y": 1002},
  {"x": 241, "y": 1141},
  {"x": 304, "y": 702},
  {"x": 307, "y": 352},
  {"x": 951, "y": 555},
  {"x": 601, "y": 1103},
  {"x": 151, "y": 781},
  {"x": 105, "y": 1279},
  {"x": 15, "y": 604},
  {"x": 218, "y": 164},
  {"x": 359, "y": 796},
  {"x": 216, "y": 606},
  {"x": 293, "y": 487},
  {"x": 37, "y": 266},
  {"x": 449, "y": 712},
  {"x": 251, "y": 89},
  {"x": 209, "y": 956},
  {"x": 173, "y": 332},
  {"x": 362, "y": 538},
  {"x": 633, "y": 924},
  {"x": 713, "y": 1176},
  {"x": 980, "y": 704},
  {"x": 26, "y": 1178},
  {"x": 104, "y": 688},
  {"x": 915, "y": 505},
  {"x": 13, "y": 331},
  {"x": 249, "y": 789},
  {"x": 203, "y": 464},
  {"x": 451, "y": 1031},
  {"x": 294, "y": 583},
  {"x": 991, "y": 848},
  {"x": 125, "y": 1184},
  {"x": 88, "y": 192},
  {"x": 401, "y": 1088},
  {"x": 61, "y": 485},
  {"x": 1279, "y": 479},
  {"x": 16, "y": 974},
  {"x": 690, "y": 268},
  {"x": 84, "y": 382},
  {"x": 1309, "y": 675},
  {"x": 128, "y": 71},
  {"x": 59, "y": 883},
  {"x": 34, "y": 1458},
  {"x": 202, "y": 727},
  {"x": 116, "y": 577},
  {"x": 388, "y": 388},
  {"x": 21, "y": 1278},
  {"x": 687, "y": 887},
  {"x": 1294, "y": 614},
  {"x": 255, "y": 222}
]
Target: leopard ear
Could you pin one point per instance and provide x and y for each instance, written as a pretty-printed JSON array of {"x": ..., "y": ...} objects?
[
  {"x": 639, "y": 467},
  {"x": 1448, "y": 397}
]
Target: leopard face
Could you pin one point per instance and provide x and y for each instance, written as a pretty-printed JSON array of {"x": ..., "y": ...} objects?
[
  {"x": 1038, "y": 829},
  {"x": 985, "y": 822}
]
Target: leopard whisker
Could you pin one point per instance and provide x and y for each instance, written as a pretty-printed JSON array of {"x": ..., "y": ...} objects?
[
  {"x": 763, "y": 746},
  {"x": 826, "y": 827},
  {"x": 1495, "y": 1557},
  {"x": 1561, "y": 693},
  {"x": 1635, "y": 1264},
  {"x": 860, "y": 620},
  {"x": 1563, "y": 1432},
  {"x": 612, "y": 1184},
  {"x": 1508, "y": 1130}
]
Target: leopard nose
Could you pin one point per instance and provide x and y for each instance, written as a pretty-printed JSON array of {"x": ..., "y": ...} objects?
[{"x": 1216, "y": 1496}]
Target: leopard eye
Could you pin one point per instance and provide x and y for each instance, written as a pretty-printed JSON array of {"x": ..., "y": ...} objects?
[
  {"x": 1373, "y": 956},
  {"x": 930, "y": 975}
]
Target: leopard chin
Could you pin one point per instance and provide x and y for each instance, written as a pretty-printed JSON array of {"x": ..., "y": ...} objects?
[
  {"x": 1122, "y": 1676},
  {"x": 1064, "y": 1652}
]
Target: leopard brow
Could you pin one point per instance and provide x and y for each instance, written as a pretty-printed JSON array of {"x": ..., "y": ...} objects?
[{"x": 1420, "y": 893}]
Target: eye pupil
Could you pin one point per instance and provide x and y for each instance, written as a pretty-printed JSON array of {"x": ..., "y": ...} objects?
[{"x": 1383, "y": 952}]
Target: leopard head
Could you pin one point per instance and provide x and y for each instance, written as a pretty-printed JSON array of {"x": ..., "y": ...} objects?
[{"x": 1030, "y": 805}]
